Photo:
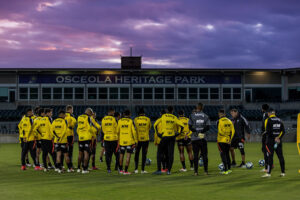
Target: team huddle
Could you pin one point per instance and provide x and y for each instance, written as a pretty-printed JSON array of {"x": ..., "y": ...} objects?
[{"x": 121, "y": 136}]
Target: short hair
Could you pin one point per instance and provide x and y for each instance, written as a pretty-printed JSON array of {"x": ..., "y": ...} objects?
[
  {"x": 36, "y": 110},
  {"x": 141, "y": 111},
  {"x": 222, "y": 111},
  {"x": 41, "y": 110},
  {"x": 181, "y": 112},
  {"x": 170, "y": 109},
  {"x": 234, "y": 110},
  {"x": 69, "y": 107},
  {"x": 61, "y": 112},
  {"x": 265, "y": 107},
  {"x": 29, "y": 110},
  {"x": 111, "y": 110},
  {"x": 48, "y": 110},
  {"x": 127, "y": 112},
  {"x": 271, "y": 110},
  {"x": 200, "y": 106},
  {"x": 117, "y": 114}
]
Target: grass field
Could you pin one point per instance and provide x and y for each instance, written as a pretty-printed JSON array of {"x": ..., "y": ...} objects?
[{"x": 242, "y": 183}]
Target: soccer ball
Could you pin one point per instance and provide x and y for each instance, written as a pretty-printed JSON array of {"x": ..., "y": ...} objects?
[
  {"x": 249, "y": 165},
  {"x": 148, "y": 161},
  {"x": 201, "y": 162},
  {"x": 221, "y": 167},
  {"x": 261, "y": 163}
]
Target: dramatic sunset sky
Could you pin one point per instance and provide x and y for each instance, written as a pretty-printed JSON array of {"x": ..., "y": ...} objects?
[{"x": 168, "y": 33}]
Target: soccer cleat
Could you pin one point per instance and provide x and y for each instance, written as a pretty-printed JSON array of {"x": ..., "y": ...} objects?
[
  {"x": 282, "y": 175},
  {"x": 182, "y": 170},
  {"x": 78, "y": 170},
  {"x": 233, "y": 164},
  {"x": 23, "y": 167},
  {"x": 56, "y": 169},
  {"x": 37, "y": 168},
  {"x": 121, "y": 172},
  {"x": 196, "y": 174},
  {"x": 126, "y": 173},
  {"x": 164, "y": 170},
  {"x": 229, "y": 171},
  {"x": 224, "y": 173},
  {"x": 157, "y": 173},
  {"x": 192, "y": 169},
  {"x": 168, "y": 173},
  {"x": 136, "y": 171},
  {"x": 59, "y": 171},
  {"x": 46, "y": 170},
  {"x": 264, "y": 170},
  {"x": 144, "y": 172},
  {"x": 109, "y": 171},
  {"x": 101, "y": 159},
  {"x": 206, "y": 173},
  {"x": 266, "y": 175},
  {"x": 95, "y": 168},
  {"x": 70, "y": 170},
  {"x": 85, "y": 172},
  {"x": 28, "y": 165},
  {"x": 242, "y": 165}
]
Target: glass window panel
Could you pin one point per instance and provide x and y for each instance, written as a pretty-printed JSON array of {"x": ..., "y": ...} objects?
[
  {"x": 23, "y": 92},
  {"x": 193, "y": 93},
  {"x": 214, "y": 93},
  {"x": 124, "y": 93},
  {"x": 182, "y": 93},
  {"x": 148, "y": 93},
  {"x": 203, "y": 93},
  {"x": 92, "y": 93},
  {"x": 68, "y": 93},
  {"x": 137, "y": 93},
  {"x": 57, "y": 93},
  {"x": 113, "y": 93},
  {"x": 102, "y": 93},
  {"x": 79, "y": 93},
  {"x": 169, "y": 93},
  {"x": 159, "y": 93}
]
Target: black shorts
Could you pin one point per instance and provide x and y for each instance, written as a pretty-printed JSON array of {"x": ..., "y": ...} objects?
[
  {"x": 237, "y": 143},
  {"x": 184, "y": 142},
  {"x": 84, "y": 145},
  {"x": 128, "y": 149},
  {"x": 38, "y": 144},
  {"x": 61, "y": 147}
]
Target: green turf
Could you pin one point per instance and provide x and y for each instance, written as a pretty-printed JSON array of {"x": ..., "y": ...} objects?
[{"x": 242, "y": 183}]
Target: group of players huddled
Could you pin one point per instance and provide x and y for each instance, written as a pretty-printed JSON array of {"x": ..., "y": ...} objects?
[{"x": 120, "y": 136}]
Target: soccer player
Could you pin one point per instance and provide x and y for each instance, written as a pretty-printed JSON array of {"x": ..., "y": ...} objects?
[
  {"x": 161, "y": 154},
  {"x": 143, "y": 126},
  {"x": 37, "y": 117},
  {"x": 28, "y": 139},
  {"x": 22, "y": 141},
  {"x": 70, "y": 131},
  {"x": 95, "y": 130},
  {"x": 264, "y": 109},
  {"x": 59, "y": 129},
  {"x": 225, "y": 134},
  {"x": 170, "y": 125},
  {"x": 241, "y": 125},
  {"x": 44, "y": 129},
  {"x": 127, "y": 140},
  {"x": 84, "y": 137},
  {"x": 199, "y": 124},
  {"x": 184, "y": 140},
  {"x": 274, "y": 130},
  {"x": 110, "y": 137}
]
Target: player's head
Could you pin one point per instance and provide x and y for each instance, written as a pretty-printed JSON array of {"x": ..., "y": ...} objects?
[
  {"x": 265, "y": 107},
  {"x": 170, "y": 109},
  {"x": 141, "y": 112},
  {"x": 199, "y": 106},
  {"x": 111, "y": 111},
  {"x": 41, "y": 112},
  {"x": 163, "y": 111},
  {"x": 126, "y": 113},
  {"x": 89, "y": 111},
  {"x": 221, "y": 113},
  {"x": 36, "y": 110},
  {"x": 29, "y": 112},
  {"x": 234, "y": 112},
  {"x": 271, "y": 111},
  {"x": 69, "y": 109},
  {"x": 48, "y": 112},
  {"x": 62, "y": 114},
  {"x": 117, "y": 115},
  {"x": 181, "y": 113}
]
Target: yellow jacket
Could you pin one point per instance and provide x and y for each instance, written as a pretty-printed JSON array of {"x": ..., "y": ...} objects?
[
  {"x": 43, "y": 128},
  {"x": 126, "y": 132},
  {"x": 95, "y": 128},
  {"x": 71, "y": 124},
  {"x": 84, "y": 124},
  {"x": 21, "y": 135},
  {"x": 27, "y": 128},
  {"x": 158, "y": 130},
  {"x": 143, "y": 126},
  {"x": 225, "y": 130},
  {"x": 109, "y": 128},
  {"x": 59, "y": 130},
  {"x": 170, "y": 124},
  {"x": 36, "y": 122},
  {"x": 186, "y": 130}
]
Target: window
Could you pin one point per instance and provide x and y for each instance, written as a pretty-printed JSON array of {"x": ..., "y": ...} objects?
[
  {"x": 23, "y": 92},
  {"x": 92, "y": 93},
  {"x": 113, "y": 93},
  {"x": 203, "y": 93},
  {"x": 159, "y": 93},
  {"x": 169, "y": 93},
  {"x": 46, "y": 93},
  {"x": 294, "y": 93},
  {"x": 214, "y": 93},
  {"x": 57, "y": 93},
  {"x": 137, "y": 93},
  {"x": 193, "y": 93},
  {"x": 34, "y": 93},
  {"x": 102, "y": 93},
  {"x": 148, "y": 93},
  {"x": 236, "y": 93},
  {"x": 182, "y": 93},
  {"x": 68, "y": 93},
  {"x": 79, "y": 93},
  {"x": 226, "y": 93},
  {"x": 3, "y": 94},
  {"x": 124, "y": 93}
]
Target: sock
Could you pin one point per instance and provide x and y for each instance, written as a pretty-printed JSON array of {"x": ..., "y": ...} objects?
[
  {"x": 78, "y": 166},
  {"x": 59, "y": 166},
  {"x": 243, "y": 162},
  {"x": 69, "y": 165},
  {"x": 49, "y": 164},
  {"x": 126, "y": 168},
  {"x": 192, "y": 163},
  {"x": 101, "y": 158},
  {"x": 121, "y": 167},
  {"x": 93, "y": 164},
  {"x": 27, "y": 161},
  {"x": 183, "y": 164}
]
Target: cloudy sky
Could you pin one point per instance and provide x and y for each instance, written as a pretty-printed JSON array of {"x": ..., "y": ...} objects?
[{"x": 168, "y": 33}]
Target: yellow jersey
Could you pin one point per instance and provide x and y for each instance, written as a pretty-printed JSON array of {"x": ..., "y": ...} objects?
[
  {"x": 43, "y": 128},
  {"x": 27, "y": 129},
  {"x": 95, "y": 128},
  {"x": 36, "y": 122},
  {"x": 59, "y": 129},
  {"x": 158, "y": 130},
  {"x": 186, "y": 130},
  {"x": 84, "y": 124},
  {"x": 109, "y": 128},
  {"x": 71, "y": 124},
  {"x": 21, "y": 135},
  {"x": 225, "y": 130},
  {"x": 143, "y": 126},
  {"x": 170, "y": 125},
  {"x": 126, "y": 132}
]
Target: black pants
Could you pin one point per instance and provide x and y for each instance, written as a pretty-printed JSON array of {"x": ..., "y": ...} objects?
[
  {"x": 224, "y": 152},
  {"x": 70, "y": 148},
  {"x": 48, "y": 148},
  {"x": 168, "y": 144},
  {"x": 29, "y": 146},
  {"x": 200, "y": 146},
  {"x": 161, "y": 157},
  {"x": 110, "y": 149},
  {"x": 144, "y": 147},
  {"x": 264, "y": 150},
  {"x": 270, "y": 153}
]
